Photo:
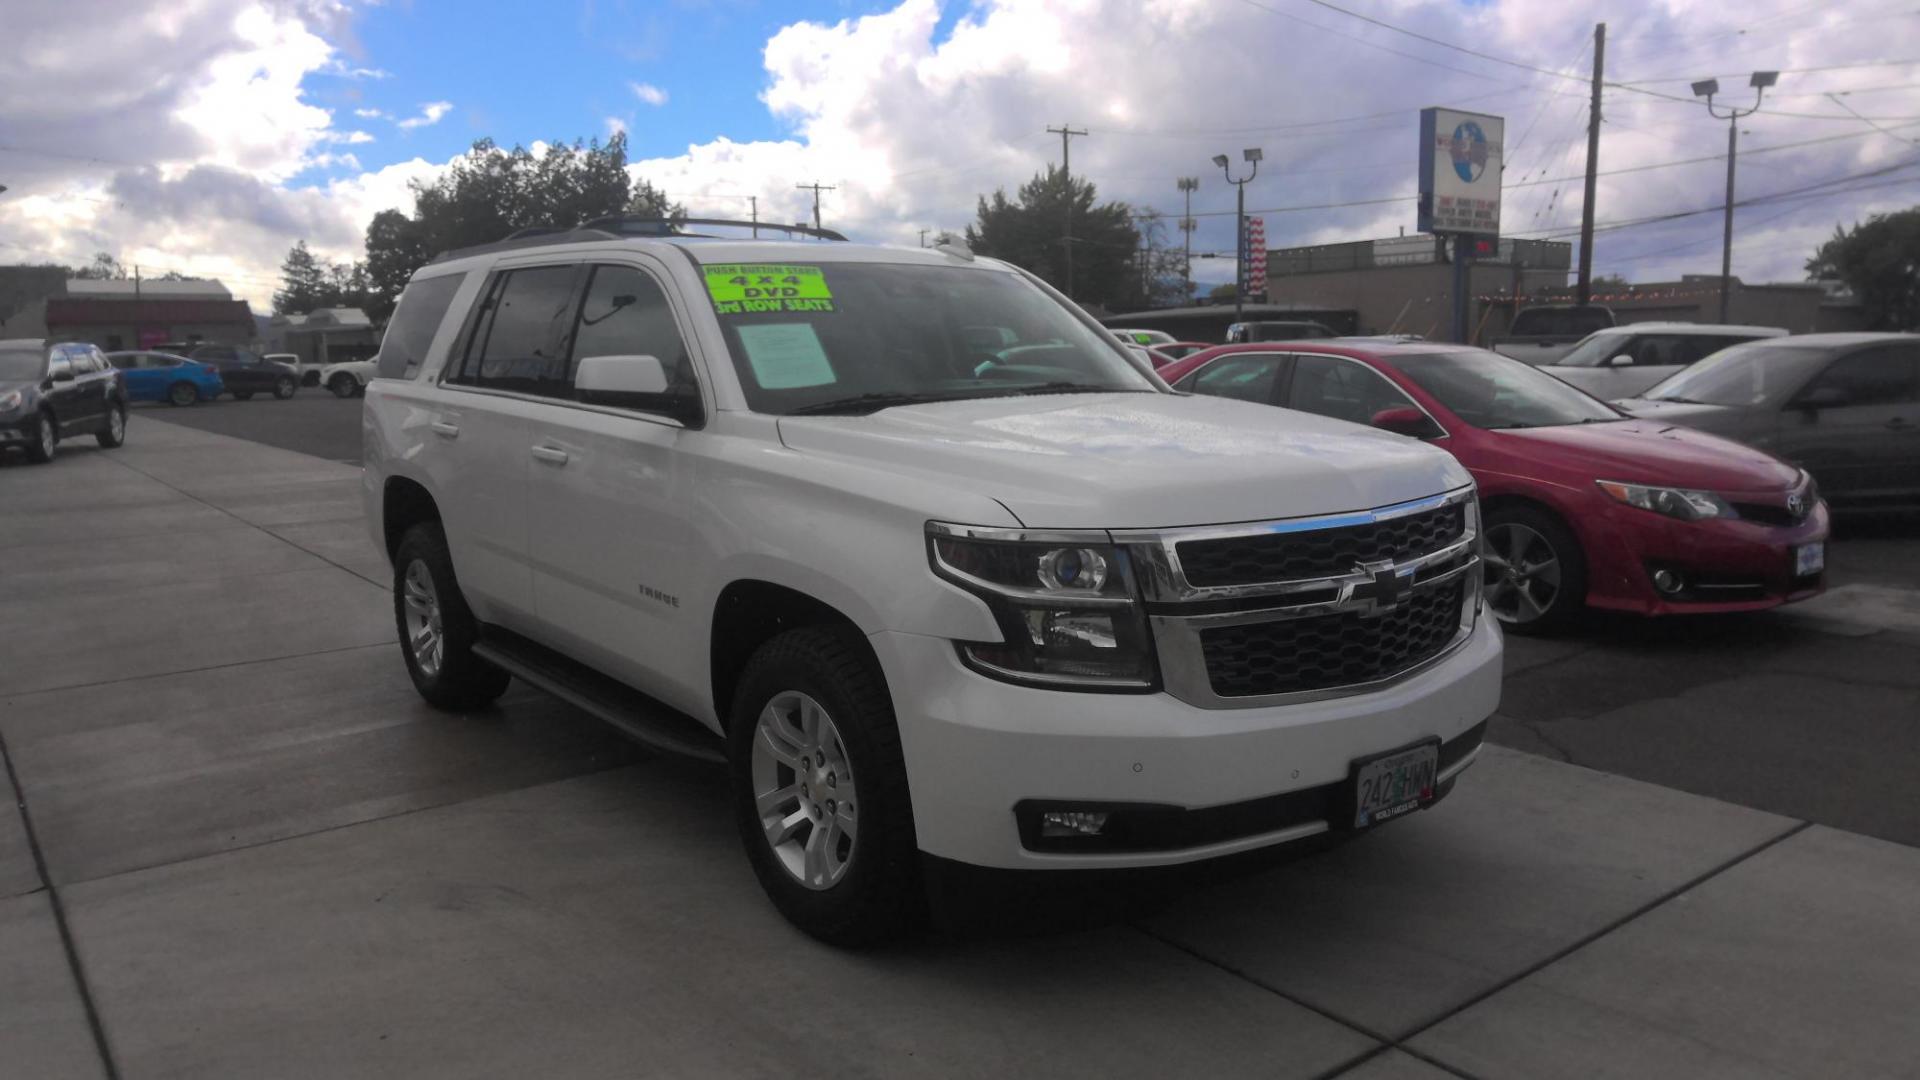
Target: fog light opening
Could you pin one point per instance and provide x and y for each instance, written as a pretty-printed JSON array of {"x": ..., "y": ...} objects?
[
  {"x": 1057, "y": 823},
  {"x": 1668, "y": 582}
]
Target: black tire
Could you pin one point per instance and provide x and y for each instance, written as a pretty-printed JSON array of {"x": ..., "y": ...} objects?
[
  {"x": 461, "y": 682},
  {"x": 115, "y": 433},
  {"x": 284, "y": 386},
  {"x": 1567, "y": 605},
  {"x": 343, "y": 385},
  {"x": 46, "y": 440},
  {"x": 183, "y": 393},
  {"x": 880, "y": 896},
  {"x": 243, "y": 395}
]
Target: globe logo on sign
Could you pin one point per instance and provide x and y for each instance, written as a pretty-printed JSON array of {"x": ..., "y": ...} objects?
[{"x": 1468, "y": 148}]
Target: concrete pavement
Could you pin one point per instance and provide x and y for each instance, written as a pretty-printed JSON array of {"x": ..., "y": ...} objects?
[{"x": 273, "y": 860}]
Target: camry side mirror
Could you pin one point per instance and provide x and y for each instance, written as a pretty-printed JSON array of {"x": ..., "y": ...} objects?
[
  {"x": 1623, "y": 360},
  {"x": 1825, "y": 397},
  {"x": 1405, "y": 420}
]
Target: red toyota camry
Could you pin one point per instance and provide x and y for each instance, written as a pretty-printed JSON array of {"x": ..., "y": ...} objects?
[{"x": 1583, "y": 506}]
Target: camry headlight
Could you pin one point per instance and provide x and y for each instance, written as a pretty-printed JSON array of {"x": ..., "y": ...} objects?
[
  {"x": 1673, "y": 502},
  {"x": 11, "y": 400},
  {"x": 1068, "y": 611}
]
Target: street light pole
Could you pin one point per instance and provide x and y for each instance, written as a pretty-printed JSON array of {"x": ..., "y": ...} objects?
[
  {"x": 1188, "y": 185},
  {"x": 1252, "y": 155},
  {"x": 1706, "y": 88}
]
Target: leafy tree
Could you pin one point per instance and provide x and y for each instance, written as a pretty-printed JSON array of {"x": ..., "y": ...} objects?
[
  {"x": 1030, "y": 230},
  {"x": 304, "y": 283},
  {"x": 1163, "y": 280},
  {"x": 491, "y": 193},
  {"x": 1223, "y": 294},
  {"x": 1880, "y": 262},
  {"x": 104, "y": 268}
]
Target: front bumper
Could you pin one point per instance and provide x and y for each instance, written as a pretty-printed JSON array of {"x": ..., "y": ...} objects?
[
  {"x": 18, "y": 430},
  {"x": 1239, "y": 779},
  {"x": 1729, "y": 565}
]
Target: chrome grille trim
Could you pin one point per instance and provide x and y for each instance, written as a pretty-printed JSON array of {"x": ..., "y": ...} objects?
[{"x": 1177, "y": 635}]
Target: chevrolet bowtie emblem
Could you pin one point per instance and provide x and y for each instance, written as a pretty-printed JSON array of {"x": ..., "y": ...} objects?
[{"x": 1385, "y": 589}]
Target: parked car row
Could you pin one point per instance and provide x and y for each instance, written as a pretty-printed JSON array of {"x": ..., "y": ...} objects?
[
  {"x": 1589, "y": 506},
  {"x": 203, "y": 373},
  {"x": 53, "y": 391}
]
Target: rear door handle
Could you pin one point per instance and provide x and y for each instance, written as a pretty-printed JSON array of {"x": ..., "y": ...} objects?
[
  {"x": 445, "y": 430},
  {"x": 552, "y": 455}
]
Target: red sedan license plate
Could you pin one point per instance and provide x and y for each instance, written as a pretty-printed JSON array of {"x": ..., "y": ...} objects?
[
  {"x": 1809, "y": 559},
  {"x": 1394, "y": 783}
]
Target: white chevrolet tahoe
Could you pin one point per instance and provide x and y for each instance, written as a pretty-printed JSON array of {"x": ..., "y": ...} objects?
[{"x": 943, "y": 575}]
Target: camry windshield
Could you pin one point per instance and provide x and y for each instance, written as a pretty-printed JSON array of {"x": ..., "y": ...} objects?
[
  {"x": 22, "y": 364},
  {"x": 1597, "y": 349},
  {"x": 856, "y": 337},
  {"x": 1743, "y": 375},
  {"x": 1491, "y": 391}
]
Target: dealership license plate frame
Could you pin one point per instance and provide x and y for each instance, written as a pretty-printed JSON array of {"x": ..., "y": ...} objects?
[
  {"x": 1810, "y": 559},
  {"x": 1360, "y": 818}
]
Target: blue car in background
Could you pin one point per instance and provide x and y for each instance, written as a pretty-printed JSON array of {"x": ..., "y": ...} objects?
[{"x": 158, "y": 376}]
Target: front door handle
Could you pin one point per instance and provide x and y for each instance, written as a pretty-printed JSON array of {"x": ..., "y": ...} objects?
[
  {"x": 445, "y": 430},
  {"x": 552, "y": 455}
]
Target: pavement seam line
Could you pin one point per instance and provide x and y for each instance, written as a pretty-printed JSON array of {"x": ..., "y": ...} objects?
[
  {"x": 383, "y": 586},
  {"x": 1594, "y": 936},
  {"x": 59, "y": 909},
  {"x": 383, "y": 643}
]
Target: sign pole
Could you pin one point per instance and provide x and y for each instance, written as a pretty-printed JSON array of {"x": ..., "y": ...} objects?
[{"x": 1462, "y": 252}]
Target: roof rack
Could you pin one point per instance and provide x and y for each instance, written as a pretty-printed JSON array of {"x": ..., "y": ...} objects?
[
  {"x": 617, "y": 227},
  {"x": 630, "y": 225}
]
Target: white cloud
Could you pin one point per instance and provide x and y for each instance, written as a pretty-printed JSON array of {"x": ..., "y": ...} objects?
[
  {"x": 615, "y": 126},
  {"x": 648, "y": 93},
  {"x": 371, "y": 114},
  {"x": 430, "y": 115}
]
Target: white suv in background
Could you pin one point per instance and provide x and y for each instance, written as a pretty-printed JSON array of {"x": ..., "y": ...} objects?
[
  {"x": 911, "y": 543},
  {"x": 1621, "y": 361}
]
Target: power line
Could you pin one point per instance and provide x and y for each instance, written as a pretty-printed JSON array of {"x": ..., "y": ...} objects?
[
  {"x": 1629, "y": 83},
  {"x": 1363, "y": 41},
  {"x": 1870, "y": 123}
]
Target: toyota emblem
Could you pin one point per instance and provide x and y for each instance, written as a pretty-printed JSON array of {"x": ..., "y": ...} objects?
[{"x": 1796, "y": 504}]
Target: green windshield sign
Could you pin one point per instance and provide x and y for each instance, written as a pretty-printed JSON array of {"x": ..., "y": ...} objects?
[{"x": 740, "y": 288}]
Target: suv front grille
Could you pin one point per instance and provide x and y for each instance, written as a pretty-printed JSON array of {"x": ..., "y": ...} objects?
[
  {"x": 1292, "y": 556},
  {"x": 1329, "y": 651}
]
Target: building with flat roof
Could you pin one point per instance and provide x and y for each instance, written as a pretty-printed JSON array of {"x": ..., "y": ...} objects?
[{"x": 1402, "y": 285}]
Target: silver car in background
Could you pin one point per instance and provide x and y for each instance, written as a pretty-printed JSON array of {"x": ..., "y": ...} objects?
[
  {"x": 1845, "y": 407},
  {"x": 1622, "y": 361}
]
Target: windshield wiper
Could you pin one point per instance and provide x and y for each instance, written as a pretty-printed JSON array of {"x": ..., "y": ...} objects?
[
  {"x": 862, "y": 404},
  {"x": 1070, "y": 388},
  {"x": 1678, "y": 400}
]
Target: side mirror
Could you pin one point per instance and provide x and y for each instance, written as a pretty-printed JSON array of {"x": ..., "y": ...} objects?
[
  {"x": 1404, "y": 420},
  {"x": 1622, "y": 360},
  {"x": 1825, "y": 397},
  {"x": 632, "y": 382}
]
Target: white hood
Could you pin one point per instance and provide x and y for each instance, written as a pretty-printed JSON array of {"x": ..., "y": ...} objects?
[{"x": 1117, "y": 461}]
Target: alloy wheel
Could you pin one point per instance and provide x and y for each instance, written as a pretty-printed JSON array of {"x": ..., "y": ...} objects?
[
  {"x": 182, "y": 394},
  {"x": 425, "y": 639},
  {"x": 803, "y": 790},
  {"x": 49, "y": 438},
  {"x": 117, "y": 423},
  {"x": 1522, "y": 573}
]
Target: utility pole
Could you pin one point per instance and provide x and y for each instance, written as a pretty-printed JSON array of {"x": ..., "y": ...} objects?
[
  {"x": 1706, "y": 88},
  {"x": 923, "y": 237},
  {"x": 755, "y": 200},
  {"x": 1188, "y": 185},
  {"x": 136, "y": 281},
  {"x": 1252, "y": 155},
  {"x": 1585, "y": 295},
  {"x": 1066, "y": 133},
  {"x": 816, "y": 188}
]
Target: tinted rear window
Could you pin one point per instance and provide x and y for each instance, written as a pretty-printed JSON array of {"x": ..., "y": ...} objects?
[{"x": 422, "y": 307}]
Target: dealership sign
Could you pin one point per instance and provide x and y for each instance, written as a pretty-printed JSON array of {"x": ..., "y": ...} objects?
[
  {"x": 1460, "y": 165},
  {"x": 1256, "y": 268}
]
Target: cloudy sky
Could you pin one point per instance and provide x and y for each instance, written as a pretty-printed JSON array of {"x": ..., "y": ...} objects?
[{"x": 207, "y": 136}]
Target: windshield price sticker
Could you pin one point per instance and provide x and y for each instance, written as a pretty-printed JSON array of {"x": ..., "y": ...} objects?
[{"x": 743, "y": 288}]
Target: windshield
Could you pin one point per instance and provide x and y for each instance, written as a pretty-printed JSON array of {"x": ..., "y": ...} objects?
[
  {"x": 22, "y": 363},
  {"x": 1595, "y": 350},
  {"x": 854, "y": 337},
  {"x": 1491, "y": 391},
  {"x": 1748, "y": 374}
]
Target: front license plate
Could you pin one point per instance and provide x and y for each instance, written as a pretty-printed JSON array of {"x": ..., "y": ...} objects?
[
  {"x": 1394, "y": 783},
  {"x": 1809, "y": 559}
]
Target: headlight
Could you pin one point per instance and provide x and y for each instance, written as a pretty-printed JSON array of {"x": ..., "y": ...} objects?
[
  {"x": 1673, "y": 502},
  {"x": 11, "y": 400},
  {"x": 1068, "y": 611}
]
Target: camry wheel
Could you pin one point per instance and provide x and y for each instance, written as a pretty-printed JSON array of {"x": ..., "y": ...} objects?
[
  {"x": 182, "y": 393},
  {"x": 819, "y": 788},
  {"x": 1535, "y": 573}
]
